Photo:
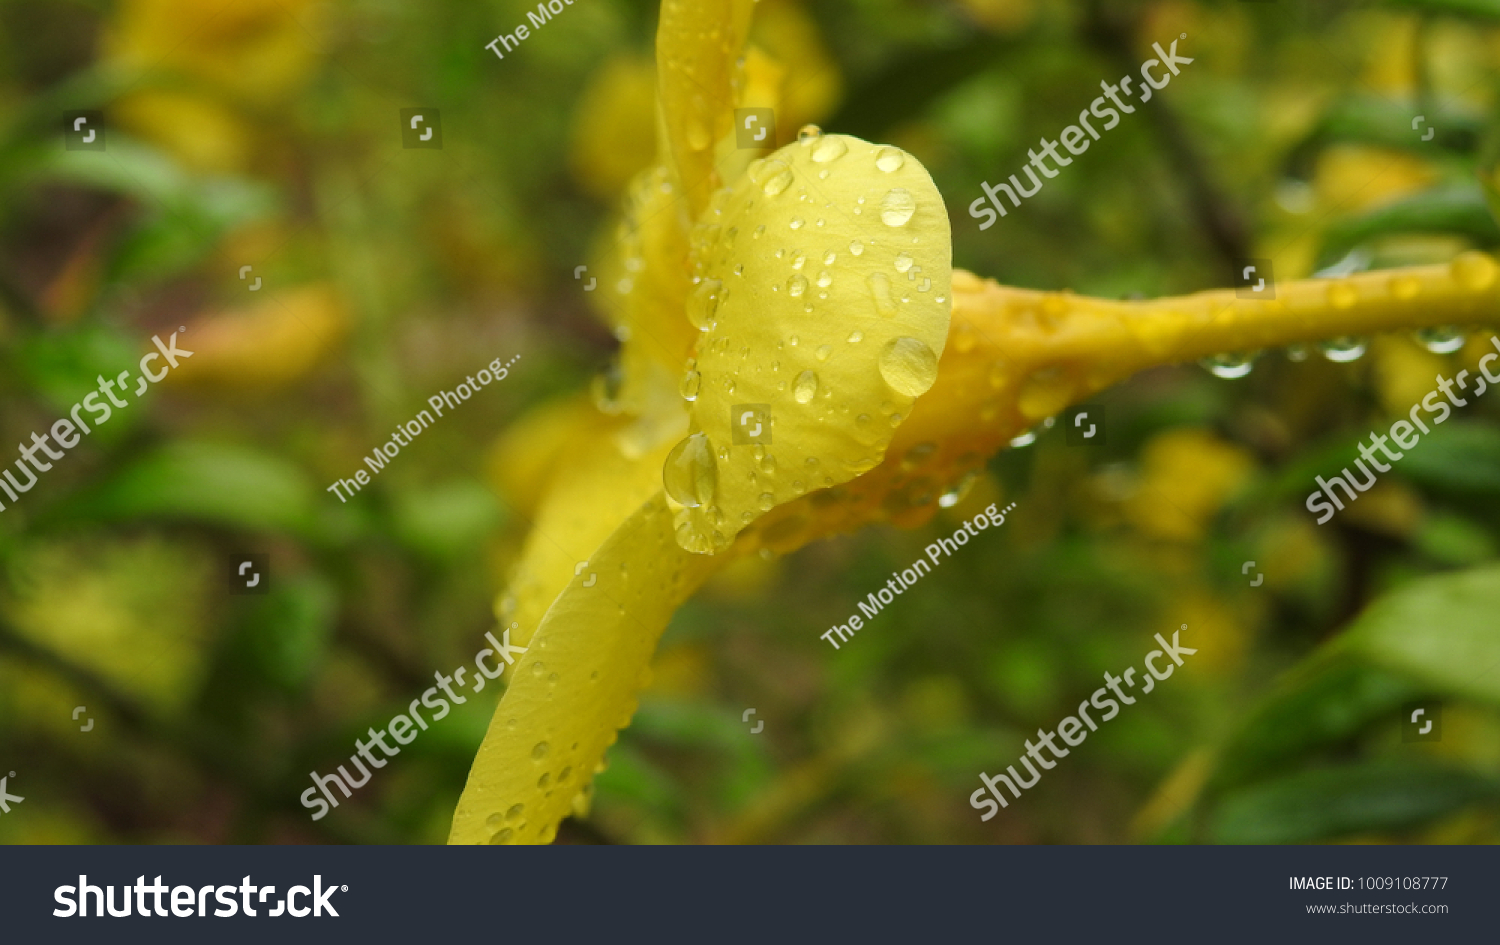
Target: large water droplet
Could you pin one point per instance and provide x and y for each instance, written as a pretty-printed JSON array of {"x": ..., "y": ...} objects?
[
  {"x": 890, "y": 160},
  {"x": 829, "y": 149},
  {"x": 897, "y": 207},
  {"x": 703, "y": 305},
  {"x": 1344, "y": 348},
  {"x": 908, "y": 366},
  {"x": 1442, "y": 340},
  {"x": 805, "y": 387},
  {"x": 825, "y": 279},
  {"x": 1230, "y": 365},
  {"x": 796, "y": 286},
  {"x": 880, "y": 291},
  {"x": 691, "y": 382},
  {"x": 691, "y": 475},
  {"x": 772, "y": 176}
]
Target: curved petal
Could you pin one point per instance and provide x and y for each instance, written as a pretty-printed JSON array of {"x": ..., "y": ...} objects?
[{"x": 823, "y": 297}]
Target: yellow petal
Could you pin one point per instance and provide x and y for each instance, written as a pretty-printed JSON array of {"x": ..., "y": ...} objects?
[
  {"x": 576, "y": 685},
  {"x": 823, "y": 295},
  {"x": 697, "y": 43}
]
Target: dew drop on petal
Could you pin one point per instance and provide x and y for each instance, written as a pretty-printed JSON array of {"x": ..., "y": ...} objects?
[
  {"x": 856, "y": 247},
  {"x": 805, "y": 387},
  {"x": 829, "y": 149},
  {"x": 890, "y": 160},
  {"x": 691, "y": 475},
  {"x": 908, "y": 366},
  {"x": 703, "y": 305},
  {"x": 796, "y": 286},
  {"x": 896, "y": 207},
  {"x": 903, "y": 262},
  {"x": 691, "y": 382}
]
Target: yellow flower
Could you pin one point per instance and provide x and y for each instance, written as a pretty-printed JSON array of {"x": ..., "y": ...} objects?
[{"x": 816, "y": 282}]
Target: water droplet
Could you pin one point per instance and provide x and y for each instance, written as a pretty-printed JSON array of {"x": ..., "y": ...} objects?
[
  {"x": 1025, "y": 439},
  {"x": 808, "y": 133},
  {"x": 880, "y": 291},
  {"x": 797, "y": 223},
  {"x": 799, "y": 262},
  {"x": 896, "y": 207},
  {"x": 903, "y": 262},
  {"x": 796, "y": 286},
  {"x": 805, "y": 387},
  {"x": 856, "y": 247},
  {"x": 544, "y": 781},
  {"x": 767, "y": 501},
  {"x": 1230, "y": 365},
  {"x": 1441, "y": 340},
  {"x": 758, "y": 231},
  {"x": 828, "y": 258},
  {"x": 1473, "y": 270},
  {"x": 1344, "y": 348},
  {"x": 502, "y": 836},
  {"x": 538, "y": 668},
  {"x": 960, "y": 489},
  {"x": 829, "y": 149},
  {"x": 908, "y": 366},
  {"x": 691, "y": 382},
  {"x": 772, "y": 176},
  {"x": 825, "y": 279},
  {"x": 855, "y": 337},
  {"x": 824, "y": 351},
  {"x": 539, "y": 751},
  {"x": 703, "y": 306},
  {"x": 890, "y": 160},
  {"x": 1342, "y": 295},
  {"x": 690, "y": 475},
  {"x": 517, "y": 809}
]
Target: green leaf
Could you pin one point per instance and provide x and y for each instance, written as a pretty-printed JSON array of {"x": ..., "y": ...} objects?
[
  {"x": 287, "y": 632},
  {"x": 1328, "y": 700},
  {"x": 1440, "y": 631},
  {"x": 1461, "y": 210},
  {"x": 1331, "y": 802},
  {"x": 1462, "y": 458},
  {"x": 237, "y": 486}
]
